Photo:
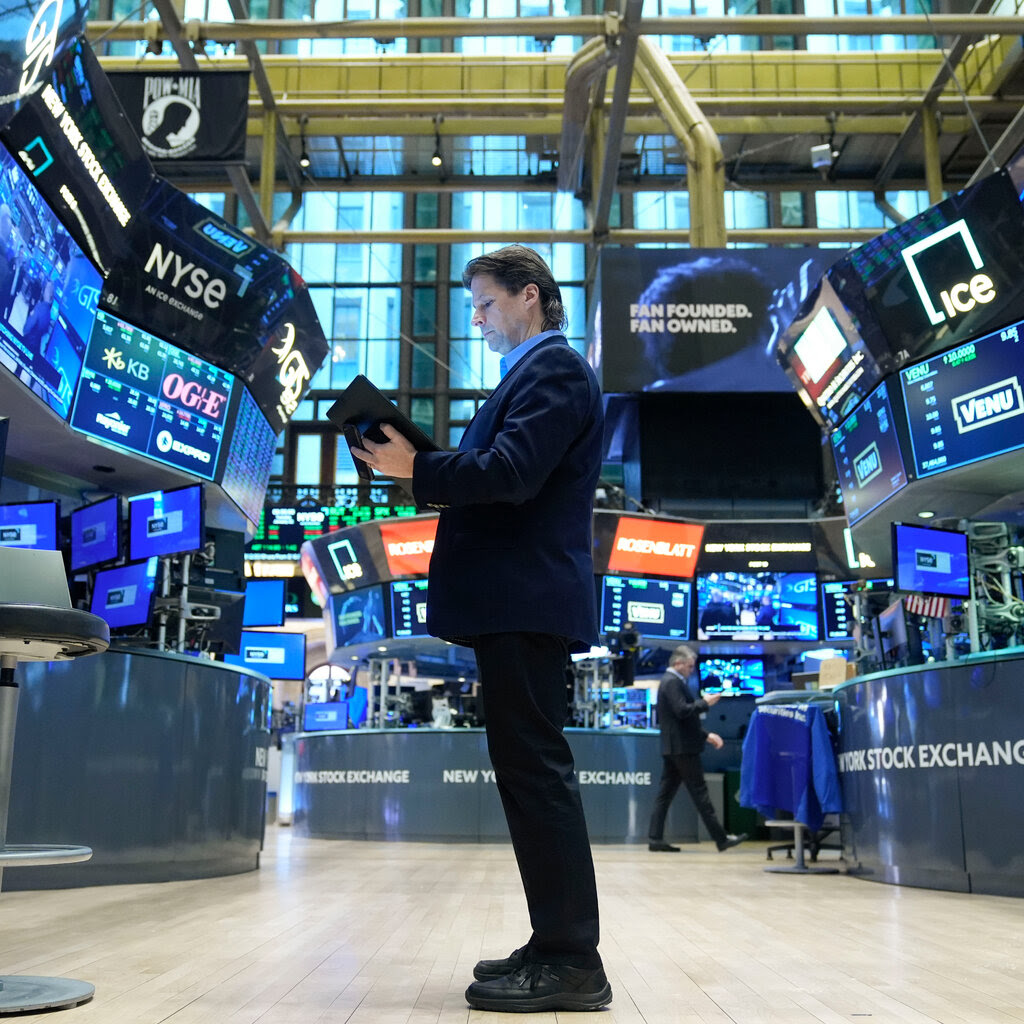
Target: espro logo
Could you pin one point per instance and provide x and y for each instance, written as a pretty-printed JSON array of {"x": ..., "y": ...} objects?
[
  {"x": 867, "y": 465},
  {"x": 988, "y": 405},
  {"x": 957, "y": 298}
]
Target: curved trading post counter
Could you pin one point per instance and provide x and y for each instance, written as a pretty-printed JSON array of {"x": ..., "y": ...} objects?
[
  {"x": 438, "y": 785},
  {"x": 156, "y": 761},
  {"x": 931, "y": 762}
]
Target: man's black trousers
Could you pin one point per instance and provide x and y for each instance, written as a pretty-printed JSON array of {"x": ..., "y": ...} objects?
[
  {"x": 523, "y": 681},
  {"x": 684, "y": 769}
]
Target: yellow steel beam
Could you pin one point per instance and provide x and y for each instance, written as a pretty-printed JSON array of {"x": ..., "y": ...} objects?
[{"x": 942, "y": 25}]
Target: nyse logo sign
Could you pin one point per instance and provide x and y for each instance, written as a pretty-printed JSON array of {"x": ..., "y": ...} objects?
[
  {"x": 958, "y": 298},
  {"x": 868, "y": 464},
  {"x": 988, "y": 405}
]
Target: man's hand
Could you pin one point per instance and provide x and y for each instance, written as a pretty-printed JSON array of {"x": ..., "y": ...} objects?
[
  {"x": 715, "y": 740},
  {"x": 393, "y": 459},
  {"x": 711, "y": 698}
]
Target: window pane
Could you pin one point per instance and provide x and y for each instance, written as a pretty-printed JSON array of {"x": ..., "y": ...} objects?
[
  {"x": 307, "y": 458},
  {"x": 421, "y": 412},
  {"x": 423, "y": 364}
]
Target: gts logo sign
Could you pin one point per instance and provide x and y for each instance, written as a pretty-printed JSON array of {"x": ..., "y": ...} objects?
[
  {"x": 981, "y": 408},
  {"x": 197, "y": 282},
  {"x": 867, "y": 465}
]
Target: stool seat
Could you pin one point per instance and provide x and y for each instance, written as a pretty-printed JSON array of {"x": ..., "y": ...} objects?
[{"x": 34, "y": 632}]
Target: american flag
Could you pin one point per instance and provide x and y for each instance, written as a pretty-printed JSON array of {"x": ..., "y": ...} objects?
[{"x": 930, "y": 607}]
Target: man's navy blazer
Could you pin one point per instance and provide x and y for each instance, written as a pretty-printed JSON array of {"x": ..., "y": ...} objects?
[
  {"x": 513, "y": 551},
  {"x": 679, "y": 716}
]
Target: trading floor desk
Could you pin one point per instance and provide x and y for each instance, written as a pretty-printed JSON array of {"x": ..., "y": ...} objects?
[
  {"x": 156, "y": 761},
  {"x": 437, "y": 784},
  {"x": 931, "y": 763}
]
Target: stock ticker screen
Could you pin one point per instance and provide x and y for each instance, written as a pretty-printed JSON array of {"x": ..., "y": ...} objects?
[
  {"x": 147, "y": 396},
  {"x": 966, "y": 404},
  {"x": 868, "y": 457},
  {"x": 283, "y": 528}
]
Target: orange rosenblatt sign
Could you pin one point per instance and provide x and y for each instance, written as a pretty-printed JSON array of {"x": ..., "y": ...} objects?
[
  {"x": 408, "y": 544},
  {"x": 652, "y": 546}
]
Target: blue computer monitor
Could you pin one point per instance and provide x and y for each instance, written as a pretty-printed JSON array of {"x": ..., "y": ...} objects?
[
  {"x": 409, "y": 608},
  {"x": 123, "y": 596},
  {"x": 837, "y": 604},
  {"x": 165, "y": 522},
  {"x": 278, "y": 655},
  {"x": 732, "y": 677},
  {"x": 357, "y": 616},
  {"x": 96, "y": 533},
  {"x": 264, "y": 603},
  {"x": 657, "y": 609},
  {"x": 926, "y": 560},
  {"x": 29, "y": 524},
  {"x": 770, "y": 605}
]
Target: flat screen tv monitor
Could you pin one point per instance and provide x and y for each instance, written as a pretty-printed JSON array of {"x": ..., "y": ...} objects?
[
  {"x": 926, "y": 560},
  {"x": 357, "y": 616},
  {"x": 656, "y": 609},
  {"x": 48, "y": 292},
  {"x": 867, "y": 453},
  {"x": 277, "y": 655},
  {"x": 264, "y": 603},
  {"x": 409, "y": 608},
  {"x": 837, "y": 604},
  {"x": 29, "y": 524},
  {"x": 123, "y": 596},
  {"x": 732, "y": 677},
  {"x": 165, "y": 522},
  {"x": 965, "y": 405},
  {"x": 766, "y": 605},
  {"x": 96, "y": 533}
]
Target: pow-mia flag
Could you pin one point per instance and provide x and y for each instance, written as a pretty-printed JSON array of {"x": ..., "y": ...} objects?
[{"x": 192, "y": 116}]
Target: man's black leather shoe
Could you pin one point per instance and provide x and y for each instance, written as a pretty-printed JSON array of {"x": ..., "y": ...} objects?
[
  {"x": 487, "y": 970},
  {"x": 538, "y": 987},
  {"x": 662, "y": 848},
  {"x": 732, "y": 841}
]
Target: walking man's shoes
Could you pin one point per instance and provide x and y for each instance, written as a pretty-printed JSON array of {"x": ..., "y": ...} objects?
[
  {"x": 732, "y": 841},
  {"x": 656, "y": 846},
  {"x": 534, "y": 988}
]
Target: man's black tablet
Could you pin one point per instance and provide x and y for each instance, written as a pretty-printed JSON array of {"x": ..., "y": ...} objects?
[{"x": 362, "y": 405}]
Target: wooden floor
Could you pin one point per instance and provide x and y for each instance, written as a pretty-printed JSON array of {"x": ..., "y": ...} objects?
[{"x": 376, "y": 933}]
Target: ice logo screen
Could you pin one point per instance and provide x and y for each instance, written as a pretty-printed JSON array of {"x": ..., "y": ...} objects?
[
  {"x": 957, "y": 298},
  {"x": 118, "y": 597},
  {"x": 265, "y": 655},
  {"x": 991, "y": 404},
  {"x": 932, "y": 561}
]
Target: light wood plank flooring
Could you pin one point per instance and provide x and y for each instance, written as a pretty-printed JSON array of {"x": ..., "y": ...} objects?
[{"x": 378, "y": 933}]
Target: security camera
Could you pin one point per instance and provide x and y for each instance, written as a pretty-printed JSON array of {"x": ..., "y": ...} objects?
[{"x": 822, "y": 157}]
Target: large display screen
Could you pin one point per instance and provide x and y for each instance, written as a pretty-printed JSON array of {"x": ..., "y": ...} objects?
[
  {"x": 654, "y": 547},
  {"x": 868, "y": 457},
  {"x": 277, "y": 655},
  {"x": 48, "y": 292},
  {"x": 771, "y": 605},
  {"x": 409, "y": 608},
  {"x": 29, "y": 524},
  {"x": 966, "y": 404},
  {"x": 826, "y": 358},
  {"x": 357, "y": 617},
  {"x": 123, "y": 596},
  {"x": 96, "y": 533},
  {"x": 837, "y": 611},
  {"x": 72, "y": 137},
  {"x": 732, "y": 676},
  {"x": 949, "y": 274},
  {"x": 930, "y": 561},
  {"x": 247, "y": 459},
  {"x": 142, "y": 394},
  {"x": 657, "y": 609},
  {"x": 165, "y": 522}
]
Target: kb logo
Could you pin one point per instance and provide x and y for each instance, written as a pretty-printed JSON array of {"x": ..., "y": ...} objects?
[{"x": 115, "y": 360}]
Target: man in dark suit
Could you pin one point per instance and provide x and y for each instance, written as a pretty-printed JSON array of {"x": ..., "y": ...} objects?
[
  {"x": 511, "y": 575},
  {"x": 683, "y": 737}
]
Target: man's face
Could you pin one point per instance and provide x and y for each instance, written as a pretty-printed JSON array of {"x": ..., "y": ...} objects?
[
  {"x": 505, "y": 321},
  {"x": 685, "y": 666}
]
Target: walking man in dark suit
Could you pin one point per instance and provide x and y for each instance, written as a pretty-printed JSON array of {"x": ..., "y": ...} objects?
[
  {"x": 682, "y": 739},
  {"x": 511, "y": 575}
]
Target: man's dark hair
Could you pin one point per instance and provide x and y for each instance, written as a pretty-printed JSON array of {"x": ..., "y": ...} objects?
[{"x": 516, "y": 266}]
